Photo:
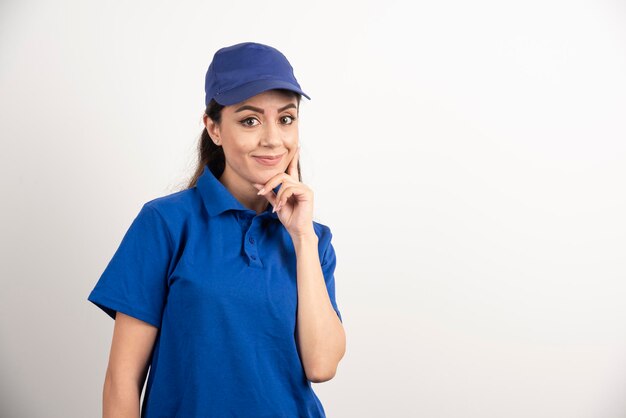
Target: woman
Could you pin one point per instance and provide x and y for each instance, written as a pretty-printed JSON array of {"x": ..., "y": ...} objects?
[{"x": 226, "y": 289}]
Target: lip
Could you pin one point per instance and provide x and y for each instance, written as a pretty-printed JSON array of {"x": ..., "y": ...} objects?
[{"x": 268, "y": 159}]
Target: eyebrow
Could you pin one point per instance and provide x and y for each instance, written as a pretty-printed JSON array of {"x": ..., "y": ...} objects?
[{"x": 256, "y": 109}]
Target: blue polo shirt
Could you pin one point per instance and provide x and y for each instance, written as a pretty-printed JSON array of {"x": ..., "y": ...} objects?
[{"x": 218, "y": 280}]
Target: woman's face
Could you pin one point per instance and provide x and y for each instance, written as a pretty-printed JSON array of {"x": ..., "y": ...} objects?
[{"x": 263, "y": 125}]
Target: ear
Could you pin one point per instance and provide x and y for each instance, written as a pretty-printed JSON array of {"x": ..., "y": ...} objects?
[{"x": 212, "y": 128}]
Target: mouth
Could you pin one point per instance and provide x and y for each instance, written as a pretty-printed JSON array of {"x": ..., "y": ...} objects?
[{"x": 269, "y": 160}]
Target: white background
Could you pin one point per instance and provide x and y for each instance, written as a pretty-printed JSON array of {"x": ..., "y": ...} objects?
[{"x": 469, "y": 158}]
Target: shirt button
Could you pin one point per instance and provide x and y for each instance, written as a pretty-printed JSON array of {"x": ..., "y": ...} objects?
[
  {"x": 253, "y": 257},
  {"x": 251, "y": 240}
]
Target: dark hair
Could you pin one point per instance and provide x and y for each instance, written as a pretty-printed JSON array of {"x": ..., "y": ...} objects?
[{"x": 213, "y": 155}]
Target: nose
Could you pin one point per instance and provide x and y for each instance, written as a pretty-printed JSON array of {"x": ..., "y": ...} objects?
[{"x": 271, "y": 135}]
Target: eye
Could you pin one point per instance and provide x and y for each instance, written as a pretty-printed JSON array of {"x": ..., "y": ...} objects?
[
  {"x": 244, "y": 122},
  {"x": 291, "y": 118}
]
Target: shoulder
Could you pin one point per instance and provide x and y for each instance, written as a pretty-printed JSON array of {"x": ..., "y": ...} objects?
[
  {"x": 175, "y": 204},
  {"x": 324, "y": 234},
  {"x": 321, "y": 229},
  {"x": 175, "y": 210}
]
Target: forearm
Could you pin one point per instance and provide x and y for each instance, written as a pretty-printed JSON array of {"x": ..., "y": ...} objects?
[
  {"x": 120, "y": 398},
  {"x": 319, "y": 332}
]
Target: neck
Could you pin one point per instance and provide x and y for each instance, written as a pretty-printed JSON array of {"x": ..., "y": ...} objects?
[{"x": 243, "y": 191}]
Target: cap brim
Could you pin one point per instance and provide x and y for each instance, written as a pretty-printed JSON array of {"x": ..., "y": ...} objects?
[{"x": 245, "y": 91}]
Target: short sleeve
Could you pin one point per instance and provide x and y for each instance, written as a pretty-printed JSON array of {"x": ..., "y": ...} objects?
[
  {"x": 329, "y": 261},
  {"x": 135, "y": 279}
]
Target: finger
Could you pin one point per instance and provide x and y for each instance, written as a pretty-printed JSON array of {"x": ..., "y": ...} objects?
[
  {"x": 275, "y": 181},
  {"x": 286, "y": 192},
  {"x": 283, "y": 195},
  {"x": 292, "y": 170},
  {"x": 271, "y": 197},
  {"x": 280, "y": 194}
]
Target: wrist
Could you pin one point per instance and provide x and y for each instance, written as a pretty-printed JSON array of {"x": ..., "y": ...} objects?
[{"x": 305, "y": 237}]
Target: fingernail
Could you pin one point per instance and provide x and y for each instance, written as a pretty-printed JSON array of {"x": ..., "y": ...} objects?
[{"x": 261, "y": 191}]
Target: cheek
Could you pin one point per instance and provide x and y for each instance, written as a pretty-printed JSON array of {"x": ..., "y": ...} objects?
[
  {"x": 239, "y": 145},
  {"x": 238, "y": 153}
]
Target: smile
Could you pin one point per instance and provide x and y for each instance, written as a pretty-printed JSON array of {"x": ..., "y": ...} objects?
[{"x": 269, "y": 161}]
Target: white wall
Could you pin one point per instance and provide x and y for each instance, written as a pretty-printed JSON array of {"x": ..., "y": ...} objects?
[{"x": 468, "y": 156}]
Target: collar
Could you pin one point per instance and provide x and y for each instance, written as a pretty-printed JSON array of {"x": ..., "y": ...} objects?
[{"x": 218, "y": 199}]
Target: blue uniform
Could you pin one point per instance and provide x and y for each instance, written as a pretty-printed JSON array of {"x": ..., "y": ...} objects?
[{"x": 219, "y": 281}]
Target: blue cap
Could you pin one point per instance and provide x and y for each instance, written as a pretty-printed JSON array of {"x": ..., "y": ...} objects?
[{"x": 241, "y": 71}]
